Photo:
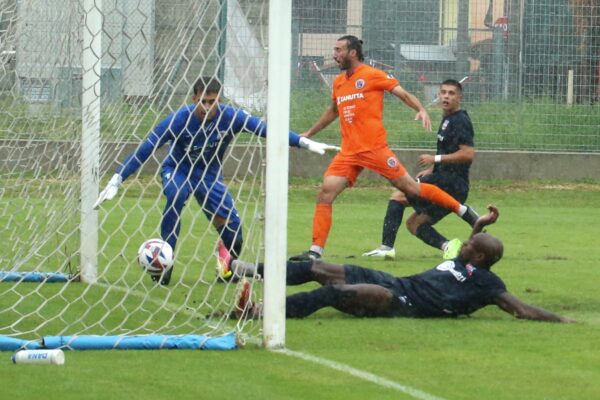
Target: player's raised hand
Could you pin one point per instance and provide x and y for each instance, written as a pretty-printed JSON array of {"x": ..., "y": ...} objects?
[
  {"x": 491, "y": 217},
  {"x": 316, "y": 147},
  {"x": 425, "y": 160},
  {"x": 109, "y": 191},
  {"x": 424, "y": 117}
]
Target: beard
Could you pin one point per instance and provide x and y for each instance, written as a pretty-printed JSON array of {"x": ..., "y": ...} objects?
[{"x": 344, "y": 64}]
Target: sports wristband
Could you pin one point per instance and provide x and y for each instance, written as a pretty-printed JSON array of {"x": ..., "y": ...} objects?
[{"x": 437, "y": 159}]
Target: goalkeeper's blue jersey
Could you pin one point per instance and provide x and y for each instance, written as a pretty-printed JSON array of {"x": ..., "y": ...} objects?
[{"x": 194, "y": 144}]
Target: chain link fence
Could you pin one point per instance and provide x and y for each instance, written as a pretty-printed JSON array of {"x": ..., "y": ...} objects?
[{"x": 530, "y": 68}]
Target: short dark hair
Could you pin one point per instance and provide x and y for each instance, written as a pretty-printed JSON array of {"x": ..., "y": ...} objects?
[
  {"x": 354, "y": 43},
  {"x": 453, "y": 82},
  {"x": 491, "y": 247},
  {"x": 207, "y": 84}
]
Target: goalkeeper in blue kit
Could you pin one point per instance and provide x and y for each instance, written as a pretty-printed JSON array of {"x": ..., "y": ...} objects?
[{"x": 198, "y": 135}]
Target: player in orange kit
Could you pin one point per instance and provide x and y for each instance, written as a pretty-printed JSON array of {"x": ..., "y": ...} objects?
[{"x": 357, "y": 99}]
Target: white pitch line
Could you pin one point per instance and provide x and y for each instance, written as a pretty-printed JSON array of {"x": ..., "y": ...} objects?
[{"x": 364, "y": 375}]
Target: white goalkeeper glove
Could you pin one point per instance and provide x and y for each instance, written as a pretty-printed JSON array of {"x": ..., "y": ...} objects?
[
  {"x": 109, "y": 191},
  {"x": 316, "y": 147}
]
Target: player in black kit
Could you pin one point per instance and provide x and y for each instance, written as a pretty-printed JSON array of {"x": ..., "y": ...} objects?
[
  {"x": 448, "y": 170},
  {"x": 455, "y": 287}
]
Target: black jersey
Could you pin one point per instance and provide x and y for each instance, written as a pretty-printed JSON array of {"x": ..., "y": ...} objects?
[
  {"x": 450, "y": 289},
  {"x": 455, "y": 130}
]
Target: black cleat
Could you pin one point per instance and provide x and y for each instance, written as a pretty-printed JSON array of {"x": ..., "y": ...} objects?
[
  {"x": 163, "y": 279},
  {"x": 306, "y": 256},
  {"x": 470, "y": 217}
]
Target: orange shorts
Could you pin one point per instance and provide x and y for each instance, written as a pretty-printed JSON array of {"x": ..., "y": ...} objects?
[{"x": 382, "y": 161}]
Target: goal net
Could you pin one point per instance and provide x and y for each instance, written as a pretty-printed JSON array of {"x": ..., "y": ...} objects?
[{"x": 82, "y": 84}]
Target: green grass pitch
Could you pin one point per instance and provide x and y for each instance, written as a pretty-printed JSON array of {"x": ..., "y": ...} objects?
[{"x": 550, "y": 231}]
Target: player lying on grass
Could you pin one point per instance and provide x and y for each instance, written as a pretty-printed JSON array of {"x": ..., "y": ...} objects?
[
  {"x": 198, "y": 135},
  {"x": 455, "y": 287}
]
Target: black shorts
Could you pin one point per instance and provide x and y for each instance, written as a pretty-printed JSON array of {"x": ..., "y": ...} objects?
[
  {"x": 455, "y": 187},
  {"x": 401, "y": 305}
]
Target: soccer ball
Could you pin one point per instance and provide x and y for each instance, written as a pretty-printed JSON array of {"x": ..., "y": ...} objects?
[{"x": 155, "y": 256}]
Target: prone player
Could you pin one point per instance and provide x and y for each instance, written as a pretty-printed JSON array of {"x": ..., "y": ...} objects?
[{"x": 455, "y": 287}]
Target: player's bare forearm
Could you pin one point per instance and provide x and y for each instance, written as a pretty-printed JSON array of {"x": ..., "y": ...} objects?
[
  {"x": 464, "y": 155},
  {"x": 487, "y": 219},
  {"x": 403, "y": 95},
  {"x": 517, "y": 308},
  {"x": 539, "y": 314},
  {"x": 326, "y": 118},
  {"x": 414, "y": 103},
  {"x": 408, "y": 98}
]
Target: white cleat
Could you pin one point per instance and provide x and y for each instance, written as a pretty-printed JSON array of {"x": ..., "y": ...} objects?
[{"x": 388, "y": 254}]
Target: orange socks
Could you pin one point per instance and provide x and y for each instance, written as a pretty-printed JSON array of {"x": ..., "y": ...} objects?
[
  {"x": 437, "y": 196},
  {"x": 322, "y": 224},
  {"x": 323, "y": 212}
]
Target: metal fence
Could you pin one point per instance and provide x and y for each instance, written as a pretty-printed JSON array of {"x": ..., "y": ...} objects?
[{"x": 530, "y": 68}]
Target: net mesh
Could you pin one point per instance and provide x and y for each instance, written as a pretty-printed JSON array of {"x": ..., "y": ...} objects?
[
  {"x": 531, "y": 77},
  {"x": 152, "y": 52}
]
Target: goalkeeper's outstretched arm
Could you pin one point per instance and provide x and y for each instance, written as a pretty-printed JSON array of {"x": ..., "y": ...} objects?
[
  {"x": 158, "y": 137},
  {"x": 131, "y": 164},
  {"x": 259, "y": 127},
  {"x": 316, "y": 147},
  {"x": 110, "y": 191}
]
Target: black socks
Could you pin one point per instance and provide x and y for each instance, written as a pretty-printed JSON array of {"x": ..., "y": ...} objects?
[{"x": 391, "y": 223}]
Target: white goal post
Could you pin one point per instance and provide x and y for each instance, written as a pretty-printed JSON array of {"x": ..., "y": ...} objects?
[
  {"x": 278, "y": 107},
  {"x": 83, "y": 87},
  {"x": 91, "y": 62}
]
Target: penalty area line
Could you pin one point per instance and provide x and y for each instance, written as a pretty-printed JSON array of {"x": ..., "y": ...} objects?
[{"x": 364, "y": 375}]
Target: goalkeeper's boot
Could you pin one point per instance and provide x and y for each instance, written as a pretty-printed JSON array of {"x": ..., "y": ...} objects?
[
  {"x": 451, "y": 249},
  {"x": 471, "y": 216},
  {"x": 224, "y": 259},
  {"x": 384, "y": 252},
  {"x": 164, "y": 279},
  {"x": 244, "y": 299},
  {"x": 306, "y": 256},
  {"x": 244, "y": 307}
]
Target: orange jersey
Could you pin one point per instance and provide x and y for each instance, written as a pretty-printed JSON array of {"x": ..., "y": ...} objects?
[{"x": 359, "y": 100}]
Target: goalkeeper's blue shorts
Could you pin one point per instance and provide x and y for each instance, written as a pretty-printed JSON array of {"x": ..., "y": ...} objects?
[{"x": 208, "y": 188}]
